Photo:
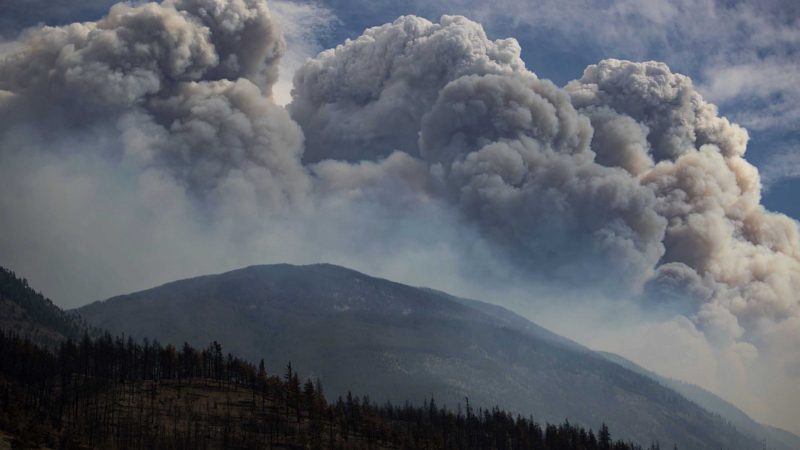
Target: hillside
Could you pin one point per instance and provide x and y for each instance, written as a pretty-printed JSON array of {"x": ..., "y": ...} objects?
[
  {"x": 399, "y": 343},
  {"x": 27, "y": 313},
  {"x": 774, "y": 438},
  {"x": 109, "y": 393}
]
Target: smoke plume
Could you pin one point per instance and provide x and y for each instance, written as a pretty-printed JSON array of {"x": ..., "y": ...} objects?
[
  {"x": 417, "y": 141},
  {"x": 184, "y": 86},
  {"x": 364, "y": 99}
]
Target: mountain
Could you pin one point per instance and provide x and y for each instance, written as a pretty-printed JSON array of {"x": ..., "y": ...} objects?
[
  {"x": 775, "y": 438},
  {"x": 28, "y": 314},
  {"x": 400, "y": 343}
]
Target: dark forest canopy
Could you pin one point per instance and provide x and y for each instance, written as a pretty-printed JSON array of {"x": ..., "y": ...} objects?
[
  {"x": 118, "y": 393},
  {"x": 31, "y": 314}
]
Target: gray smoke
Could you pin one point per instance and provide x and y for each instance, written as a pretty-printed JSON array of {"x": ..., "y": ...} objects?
[
  {"x": 626, "y": 178},
  {"x": 677, "y": 117},
  {"x": 426, "y": 144},
  {"x": 514, "y": 156},
  {"x": 365, "y": 98},
  {"x": 247, "y": 41},
  {"x": 184, "y": 84},
  {"x": 739, "y": 263}
]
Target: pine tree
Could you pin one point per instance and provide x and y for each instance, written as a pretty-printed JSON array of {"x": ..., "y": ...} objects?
[{"x": 604, "y": 438}]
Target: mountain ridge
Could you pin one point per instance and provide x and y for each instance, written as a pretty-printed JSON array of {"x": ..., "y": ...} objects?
[
  {"x": 398, "y": 343},
  {"x": 29, "y": 314},
  {"x": 774, "y": 436}
]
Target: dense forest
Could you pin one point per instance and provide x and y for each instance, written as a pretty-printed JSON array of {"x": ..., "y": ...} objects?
[
  {"x": 28, "y": 313},
  {"x": 115, "y": 393}
]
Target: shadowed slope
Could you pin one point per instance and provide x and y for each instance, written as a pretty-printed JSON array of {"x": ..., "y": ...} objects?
[{"x": 396, "y": 342}]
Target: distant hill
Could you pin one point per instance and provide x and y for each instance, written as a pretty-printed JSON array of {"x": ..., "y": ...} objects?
[
  {"x": 27, "y": 313},
  {"x": 775, "y": 438},
  {"x": 401, "y": 343}
]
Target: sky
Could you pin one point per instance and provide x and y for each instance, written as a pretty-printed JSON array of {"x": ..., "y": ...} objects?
[{"x": 624, "y": 173}]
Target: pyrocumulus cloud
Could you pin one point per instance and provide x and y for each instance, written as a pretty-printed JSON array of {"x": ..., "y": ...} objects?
[{"x": 625, "y": 179}]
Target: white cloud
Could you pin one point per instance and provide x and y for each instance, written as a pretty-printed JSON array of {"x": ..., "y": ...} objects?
[
  {"x": 303, "y": 24},
  {"x": 782, "y": 165}
]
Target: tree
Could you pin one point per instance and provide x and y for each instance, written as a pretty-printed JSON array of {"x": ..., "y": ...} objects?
[{"x": 604, "y": 437}]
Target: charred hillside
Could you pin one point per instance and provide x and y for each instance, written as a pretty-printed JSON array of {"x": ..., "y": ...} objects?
[{"x": 111, "y": 393}]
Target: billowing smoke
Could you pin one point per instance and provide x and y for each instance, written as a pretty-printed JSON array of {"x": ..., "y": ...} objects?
[
  {"x": 417, "y": 141},
  {"x": 729, "y": 265},
  {"x": 514, "y": 156},
  {"x": 625, "y": 179},
  {"x": 184, "y": 85},
  {"x": 364, "y": 99},
  {"x": 740, "y": 262}
]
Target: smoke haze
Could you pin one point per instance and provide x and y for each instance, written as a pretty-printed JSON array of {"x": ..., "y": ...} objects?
[{"x": 149, "y": 146}]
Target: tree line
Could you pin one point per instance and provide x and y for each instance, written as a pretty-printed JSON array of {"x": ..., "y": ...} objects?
[
  {"x": 40, "y": 311},
  {"x": 118, "y": 393}
]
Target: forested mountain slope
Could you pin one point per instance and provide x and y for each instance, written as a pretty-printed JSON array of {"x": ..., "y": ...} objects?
[
  {"x": 774, "y": 438},
  {"x": 25, "y": 312},
  {"x": 400, "y": 343}
]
